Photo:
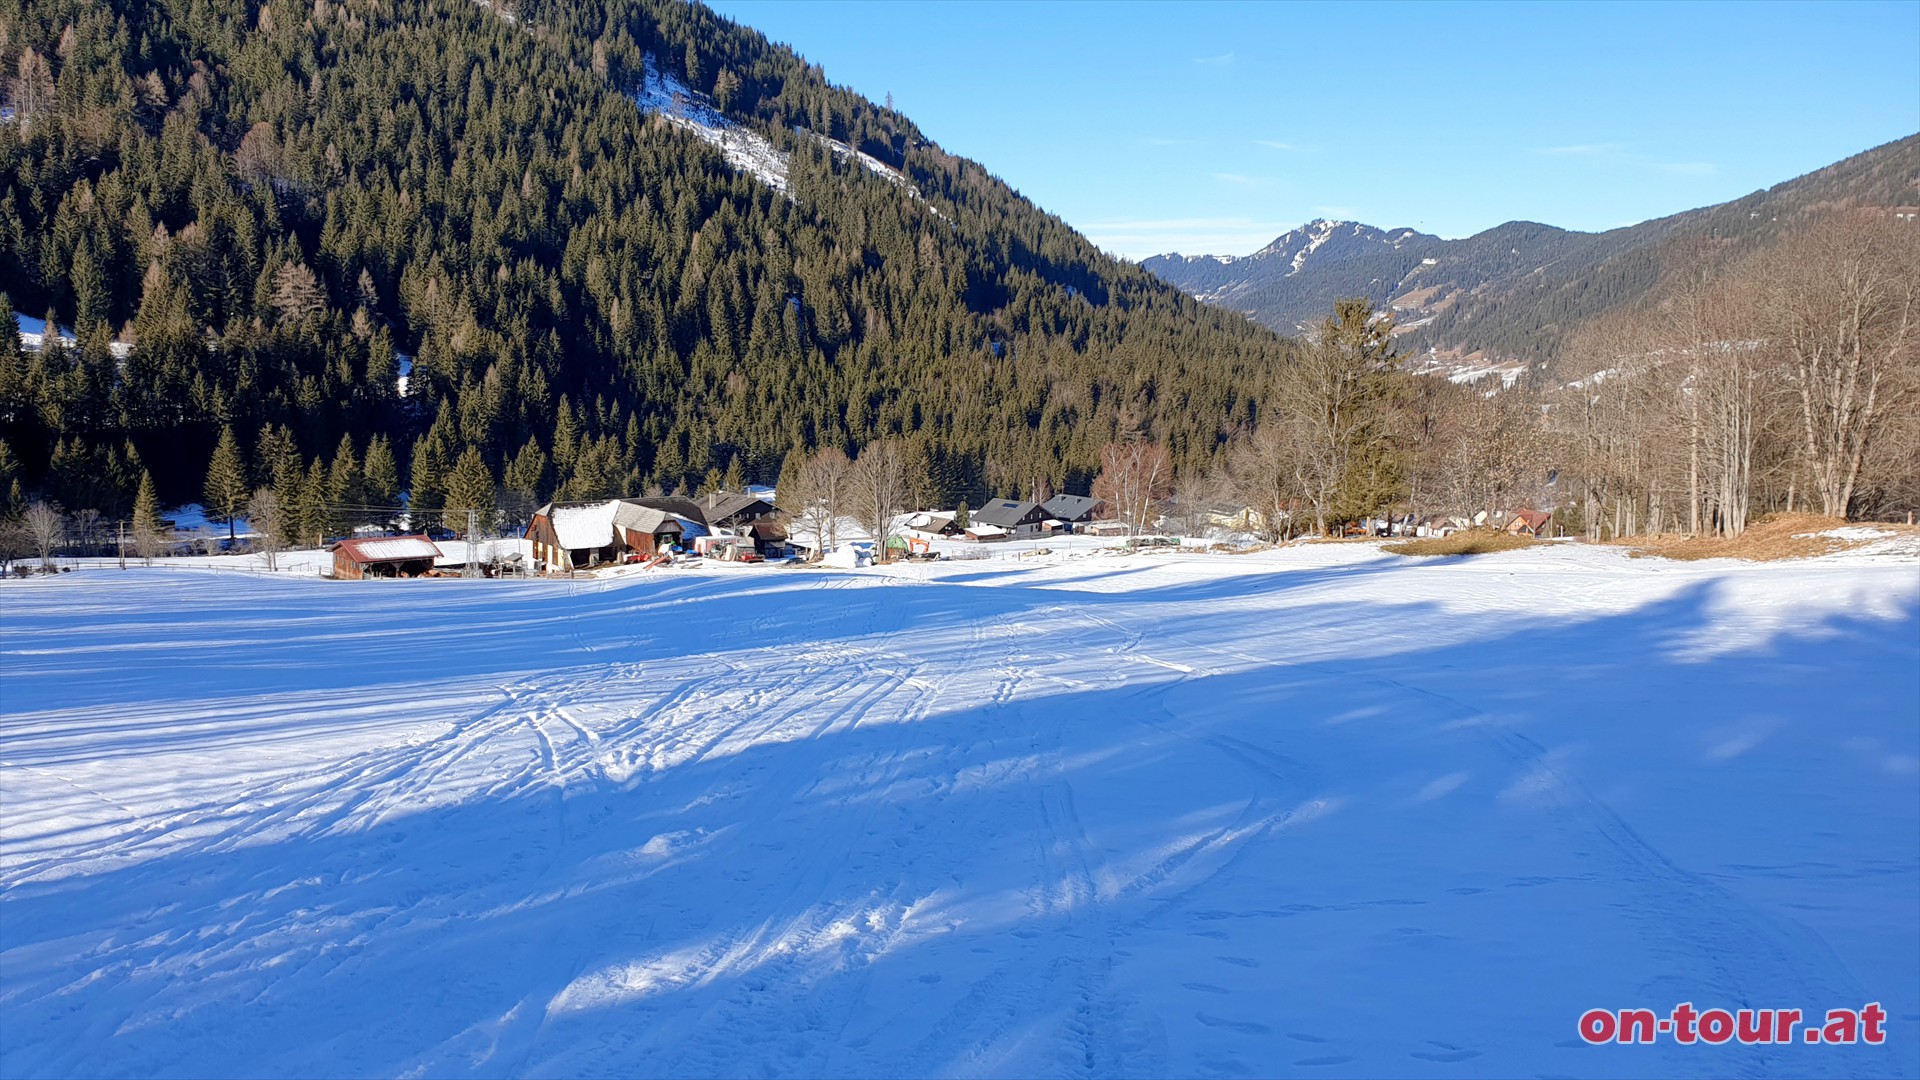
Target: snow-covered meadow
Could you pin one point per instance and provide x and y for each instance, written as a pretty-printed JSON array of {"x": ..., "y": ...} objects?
[{"x": 1319, "y": 811}]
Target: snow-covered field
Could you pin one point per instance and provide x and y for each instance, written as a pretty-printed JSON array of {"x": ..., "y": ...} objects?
[{"x": 1319, "y": 811}]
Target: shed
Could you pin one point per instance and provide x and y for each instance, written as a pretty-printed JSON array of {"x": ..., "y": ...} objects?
[
  {"x": 646, "y": 530},
  {"x": 383, "y": 557}
]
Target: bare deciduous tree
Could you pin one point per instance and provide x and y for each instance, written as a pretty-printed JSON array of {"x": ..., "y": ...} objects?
[
  {"x": 1261, "y": 468},
  {"x": 1196, "y": 496},
  {"x": 1840, "y": 301},
  {"x": 46, "y": 527},
  {"x": 813, "y": 491},
  {"x": 877, "y": 489},
  {"x": 1134, "y": 477},
  {"x": 270, "y": 526}
]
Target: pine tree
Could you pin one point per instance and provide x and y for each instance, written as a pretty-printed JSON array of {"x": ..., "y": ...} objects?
[
  {"x": 226, "y": 487},
  {"x": 310, "y": 511},
  {"x": 9, "y": 476},
  {"x": 345, "y": 488},
  {"x": 960, "y": 518},
  {"x": 146, "y": 517},
  {"x": 470, "y": 488},
  {"x": 380, "y": 478},
  {"x": 525, "y": 480}
]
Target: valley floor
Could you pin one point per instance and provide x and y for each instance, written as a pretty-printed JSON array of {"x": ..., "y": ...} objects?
[{"x": 1317, "y": 811}]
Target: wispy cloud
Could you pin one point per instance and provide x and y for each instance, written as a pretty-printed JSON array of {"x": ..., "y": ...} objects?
[
  {"x": 1276, "y": 144},
  {"x": 1223, "y": 60}
]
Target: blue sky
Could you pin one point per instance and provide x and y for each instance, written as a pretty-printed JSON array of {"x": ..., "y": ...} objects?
[{"x": 1212, "y": 128}]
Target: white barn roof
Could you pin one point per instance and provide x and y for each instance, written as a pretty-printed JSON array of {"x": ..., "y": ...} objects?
[{"x": 584, "y": 527}]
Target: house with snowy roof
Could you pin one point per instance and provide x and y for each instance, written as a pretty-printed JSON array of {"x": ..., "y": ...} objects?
[{"x": 575, "y": 536}]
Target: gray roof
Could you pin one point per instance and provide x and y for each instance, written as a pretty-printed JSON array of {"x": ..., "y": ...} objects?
[
  {"x": 1005, "y": 513},
  {"x": 677, "y": 505},
  {"x": 722, "y": 505},
  {"x": 644, "y": 519},
  {"x": 1071, "y": 507}
]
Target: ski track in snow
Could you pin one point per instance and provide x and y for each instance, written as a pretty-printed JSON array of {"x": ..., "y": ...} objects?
[{"x": 1314, "y": 812}]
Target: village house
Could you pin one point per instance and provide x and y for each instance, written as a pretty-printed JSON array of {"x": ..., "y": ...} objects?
[
  {"x": 750, "y": 517},
  {"x": 575, "y": 536},
  {"x": 1072, "y": 510},
  {"x": 1530, "y": 523},
  {"x": 730, "y": 509},
  {"x": 570, "y": 536},
  {"x": 934, "y": 524},
  {"x": 384, "y": 557},
  {"x": 1019, "y": 518}
]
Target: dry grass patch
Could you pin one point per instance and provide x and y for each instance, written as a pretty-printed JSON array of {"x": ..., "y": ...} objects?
[
  {"x": 1470, "y": 542},
  {"x": 1779, "y": 536}
]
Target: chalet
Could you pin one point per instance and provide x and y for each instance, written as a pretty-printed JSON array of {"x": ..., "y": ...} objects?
[
  {"x": 384, "y": 557},
  {"x": 1530, "y": 523},
  {"x": 1072, "y": 510},
  {"x": 1020, "y": 519},
  {"x": 570, "y": 536},
  {"x": 730, "y": 510}
]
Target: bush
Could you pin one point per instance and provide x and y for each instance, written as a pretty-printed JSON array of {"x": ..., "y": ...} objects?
[{"x": 1470, "y": 542}]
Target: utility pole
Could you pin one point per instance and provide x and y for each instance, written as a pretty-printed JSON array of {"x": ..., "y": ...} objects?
[
  {"x": 122, "y": 527},
  {"x": 473, "y": 558}
]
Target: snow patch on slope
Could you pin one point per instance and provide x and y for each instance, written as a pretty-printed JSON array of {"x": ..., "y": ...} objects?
[
  {"x": 33, "y": 337},
  {"x": 746, "y": 150}
]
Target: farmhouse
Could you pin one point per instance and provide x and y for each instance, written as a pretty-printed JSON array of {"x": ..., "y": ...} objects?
[
  {"x": 1072, "y": 510},
  {"x": 1020, "y": 519},
  {"x": 383, "y": 557},
  {"x": 568, "y": 536}
]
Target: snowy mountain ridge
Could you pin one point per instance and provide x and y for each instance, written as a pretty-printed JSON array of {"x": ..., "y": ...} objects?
[{"x": 1517, "y": 289}]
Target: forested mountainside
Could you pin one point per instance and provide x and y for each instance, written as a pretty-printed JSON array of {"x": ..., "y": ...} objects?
[
  {"x": 1517, "y": 290},
  {"x": 379, "y": 239}
]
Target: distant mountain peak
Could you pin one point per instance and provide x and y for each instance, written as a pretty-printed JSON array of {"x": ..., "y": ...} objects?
[{"x": 1516, "y": 290}]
